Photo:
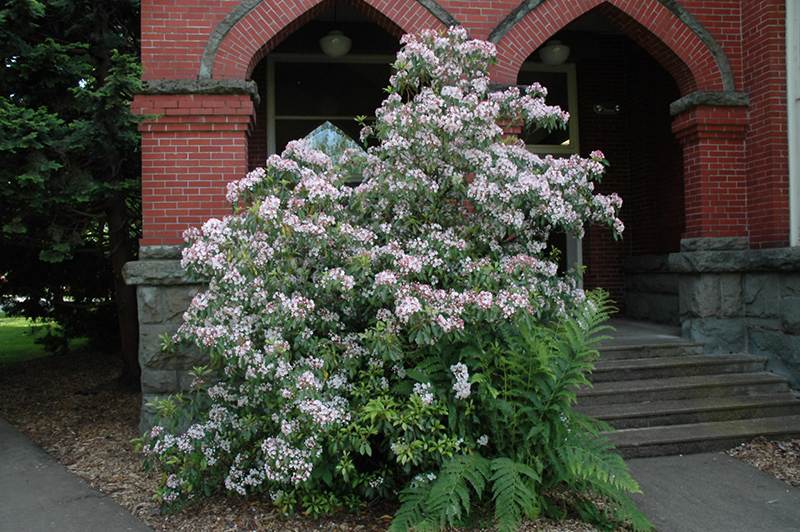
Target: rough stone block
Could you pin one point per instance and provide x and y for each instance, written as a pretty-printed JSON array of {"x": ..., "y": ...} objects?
[
  {"x": 166, "y": 252},
  {"x": 762, "y": 295},
  {"x": 150, "y": 342},
  {"x": 774, "y": 260},
  {"x": 720, "y": 335},
  {"x": 160, "y": 381},
  {"x": 700, "y": 296},
  {"x": 175, "y": 301},
  {"x": 147, "y": 420},
  {"x": 790, "y": 315},
  {"x": 731, "y": 288},
  {"x": 781, "y": 350},
  {"x": 790, "y": 285},
  {"x": 708, "y": 261},
  {"x": 155, "y": 273},
  {"x": 715, "y": 244},
  {"x": 149, "y": 301}
]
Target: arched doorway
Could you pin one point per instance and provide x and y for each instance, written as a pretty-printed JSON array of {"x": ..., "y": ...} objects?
[{"x": 620, "y": 97}]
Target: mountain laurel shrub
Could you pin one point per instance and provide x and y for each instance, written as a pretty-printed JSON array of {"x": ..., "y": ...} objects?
[{"x": 406, "y": 339}]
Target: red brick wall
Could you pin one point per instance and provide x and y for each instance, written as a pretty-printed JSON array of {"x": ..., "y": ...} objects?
[
  {"x": 651, "y": 24},
  {"x": 715, "y": 174},
  {"x": 190, "y": 152},
  {"x": 764, "y": 78},
  {"x": 174, "y": 34},
  {"x": 734, "y": 159}
]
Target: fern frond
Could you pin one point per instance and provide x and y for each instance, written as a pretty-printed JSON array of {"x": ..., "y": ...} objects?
[
  {"x": 449, "y": 499},
  {"x": 597, "y": 462},
  {"x": 512, "y": 492},
  {"x": 411, "y": 513}
]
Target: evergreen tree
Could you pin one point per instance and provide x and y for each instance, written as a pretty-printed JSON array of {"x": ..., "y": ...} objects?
[{"x": 70, "y": 166}]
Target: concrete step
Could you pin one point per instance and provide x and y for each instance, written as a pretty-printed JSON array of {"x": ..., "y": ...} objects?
[
  {"x": 674, "y": 388},
  {"x": 675, "y": 366},
  {"x": 664, "y": 396},
  {"x": 639, "y": 349},
  {"x": 685, "y": 411},
  {"x": 701, "y": 437}
]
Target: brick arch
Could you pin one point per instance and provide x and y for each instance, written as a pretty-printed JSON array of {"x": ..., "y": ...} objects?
[
  {"x": 665, "y": 30},
  {"x": 255, "y": 27}
]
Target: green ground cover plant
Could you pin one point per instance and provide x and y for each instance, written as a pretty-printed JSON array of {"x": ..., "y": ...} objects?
[
  {"x": 408, "y": 339},
  {"x": 18, "y": 340},
  {"x": 21, "y": 339}
]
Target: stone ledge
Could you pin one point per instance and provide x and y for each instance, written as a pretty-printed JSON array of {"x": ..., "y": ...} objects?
[
  {"x": 762, "y": 260},
  {"x": 170, "y": 252},
  {"x": 200, "y": 86},
  {"x": 715, "y": 244},
  {"x": 156, "y": 273},
  {"x": 713, "y": 99}
]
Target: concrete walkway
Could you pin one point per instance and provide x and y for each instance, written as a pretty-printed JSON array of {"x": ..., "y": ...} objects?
[
  {"x": 695, "y": 493},
  {"x": 38, "y": 494},
  {"x": 713, "y": 493}
]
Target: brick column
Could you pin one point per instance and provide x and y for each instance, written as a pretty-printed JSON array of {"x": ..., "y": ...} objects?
[
  {"x": 715, "y": 184},
  {"x": 192, "y": 147},
  {"x": 194, "y": 141}
]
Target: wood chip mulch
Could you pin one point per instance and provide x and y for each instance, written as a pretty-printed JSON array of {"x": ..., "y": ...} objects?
[{"x": 72, "y": 407}]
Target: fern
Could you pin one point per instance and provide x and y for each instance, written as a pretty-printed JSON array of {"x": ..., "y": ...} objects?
[
  {"x": 527, "y": 380},
  {"x": 512, "y": 493},
  {"x": 449, "y": 500},
  {"x": 412, "y": 510},
  {"x": 445, "y": 501}
]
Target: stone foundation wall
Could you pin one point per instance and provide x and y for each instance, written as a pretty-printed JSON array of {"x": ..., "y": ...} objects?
[
  {"x": 164, "y": 292},
  {"x": 740, "y": 300}
]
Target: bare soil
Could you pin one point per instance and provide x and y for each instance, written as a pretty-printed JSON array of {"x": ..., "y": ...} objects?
[{"x": 72, "y": 407}]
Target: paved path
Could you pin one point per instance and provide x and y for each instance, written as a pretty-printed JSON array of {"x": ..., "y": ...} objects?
[
  {"x": 694, "y": 493},
  {"x": 38, "y": 494},
  {"x": 713, "y": 493}
]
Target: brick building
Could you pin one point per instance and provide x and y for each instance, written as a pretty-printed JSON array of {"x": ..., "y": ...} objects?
[{"x": 694, "y": 103}]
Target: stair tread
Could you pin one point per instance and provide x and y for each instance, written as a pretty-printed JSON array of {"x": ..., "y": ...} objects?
[
  {"x": 668, "y": 397},
  {"x": 747, "y": 429},
  {"x": 678, "y": 406},
  {"x": 674, "y": 361},
  {"x": 672, "y": 383}
]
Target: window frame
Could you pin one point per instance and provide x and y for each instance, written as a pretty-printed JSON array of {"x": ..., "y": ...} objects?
[
  {"x": 568, "y": 69},
  {"x": 273, "y": 58}
]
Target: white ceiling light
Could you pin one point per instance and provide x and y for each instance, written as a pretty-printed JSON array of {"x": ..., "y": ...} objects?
[
  {"x": 335, "y": 44},
  {"x": 554, "y": 53}
]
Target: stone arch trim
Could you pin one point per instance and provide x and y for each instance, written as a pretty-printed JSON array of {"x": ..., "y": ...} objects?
[
  {"x": 254, "y": 27},
  {"x": 663, "y": 27}
]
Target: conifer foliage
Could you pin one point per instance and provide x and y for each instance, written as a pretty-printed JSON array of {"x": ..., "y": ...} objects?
[
  {"x": 409, "y": 338},
  {"x": 70, "y": 167}
]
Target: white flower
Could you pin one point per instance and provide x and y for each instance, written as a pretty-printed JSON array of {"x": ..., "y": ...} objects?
[{"x": 462, "y": 385}]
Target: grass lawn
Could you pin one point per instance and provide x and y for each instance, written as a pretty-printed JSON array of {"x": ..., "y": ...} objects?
[{"x": 17, "y": 337}]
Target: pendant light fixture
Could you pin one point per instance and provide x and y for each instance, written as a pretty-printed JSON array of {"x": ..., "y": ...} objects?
[
  {"x": 554, "y": 52},
  {"x": 335, "y": 43}
]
